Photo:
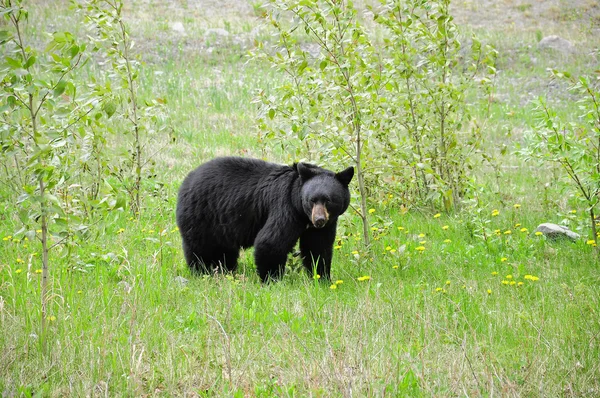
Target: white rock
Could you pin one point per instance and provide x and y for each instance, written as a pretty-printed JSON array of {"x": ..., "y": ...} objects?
[
  {"x": 218, "y": 32},
  {"x": 178, "y": 27},
  {"x": 556, "y": 231},
  {"x": 556, "y": 43},
  {"x": 180, "y": 280}
]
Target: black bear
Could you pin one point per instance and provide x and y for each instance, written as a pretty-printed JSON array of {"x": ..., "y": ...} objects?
[{"x": 231, "y": 203}]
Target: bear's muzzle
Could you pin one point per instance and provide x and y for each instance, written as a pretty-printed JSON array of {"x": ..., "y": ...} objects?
[{"x": 319, "y": 216}]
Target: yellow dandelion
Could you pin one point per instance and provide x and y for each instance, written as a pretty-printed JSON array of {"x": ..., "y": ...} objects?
[
  {"x": 339, "y": 282},
  {"x": 317, "y": 276},
  {"x": 333, "y": 287},
  {"x": 421, "y": 235},
  {"x": 394, "y": 267},
  {"x": 495, "y": 212},
  {"x": 589, "y": 242},
  {"x": 38, "y": 271},
  {"x": 20, "y": 261},
  {"x": 517, "y": 225},
  {"x": 39, "y": 231},
  {"x": 400, "y": 228},
  {"x": 507, "y": 232},
  {"x": 7, "y": 238},
  {"x": 447, "y": 241},
  {"x": 388, "y": 248},
  {"x": 508, "y": 276},
  {"x": 391, "y": 196},
  {"x": 494, "y": 273},
  {"x": 512, "y": 283},
  {"x": 374, "y": 228},
  {"x": 573, "y": 211},
  {"x": 422, "y": 242},
  {"x": 520, "y": 284},
  {"x": 505, "y": 282},
  {"x": 371, "y": 211},
  {"x": 18, "y": 271},
  {"x": 447, "y": 282},
  {"x": 438, "y": 289},
  {"x": 420, "y": 248},
  {"x": 363, "y": 278},
  {"x": 438, "y": 215},
  {"x": 524, "y": 230},
  {"x": 151, "y": 231},
  {"x": 355, "y": 252},
  {"x": 516, "y": 205},
  {"x": 120, "y": 231},
  {"x": 503, "y": 259},
  {"x": 489, "y": 291},
  {"x": 51, "y": 318},
  {"x": 337, "y": 247},
  {"x": 538, "y": 233},
  {"x": 445, "y": 227},
  {"x": 498, "y": 232}
]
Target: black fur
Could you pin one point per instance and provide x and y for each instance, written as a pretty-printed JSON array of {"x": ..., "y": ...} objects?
[{"x": 231, "y": 203}]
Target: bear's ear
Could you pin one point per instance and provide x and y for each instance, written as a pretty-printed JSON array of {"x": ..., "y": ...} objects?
[
  {"x": 345, "y": 176},
  {"x": 306, "y": 171}
]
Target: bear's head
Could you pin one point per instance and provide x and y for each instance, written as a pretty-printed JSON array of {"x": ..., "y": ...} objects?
[{"x": 325, "y": 194}]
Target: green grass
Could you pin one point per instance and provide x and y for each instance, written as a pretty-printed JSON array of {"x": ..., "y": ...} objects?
[{"x": 434, "y": 323}]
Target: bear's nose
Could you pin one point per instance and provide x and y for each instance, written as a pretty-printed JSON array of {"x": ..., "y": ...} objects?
[
  {"x": 320, "y": 222},
  {"x": 319, "y": 215}
]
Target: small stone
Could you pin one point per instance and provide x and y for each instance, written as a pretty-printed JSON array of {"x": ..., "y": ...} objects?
[
  {"x": 216, "y": 32},
  {"x": 178, "y": 27},
  {"x": 554, "y": 231},
  {"x": 556, "y": 43},
  {"x": 180, "y": 280},
  {"x": 125, "y": 286}
]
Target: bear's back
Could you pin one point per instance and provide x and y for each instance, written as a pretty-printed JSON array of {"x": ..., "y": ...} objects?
[{"x": 233, "y": 196}]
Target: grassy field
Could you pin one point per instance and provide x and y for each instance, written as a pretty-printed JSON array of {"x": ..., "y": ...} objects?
[{"x": 433, "y": 309}]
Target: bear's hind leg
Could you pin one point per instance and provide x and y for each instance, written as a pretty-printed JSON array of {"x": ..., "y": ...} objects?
[
  {"x": 229, "y": 259},
  {"x": 196, "y": 258}
]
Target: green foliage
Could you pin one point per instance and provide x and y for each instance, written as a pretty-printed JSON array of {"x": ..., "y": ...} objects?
[
  {"x": 389, "y": 98},
  {"x": 139, "y": 119},
  {"x": 330, "y": 100},
  {"x": 43, "y": 106},
  {"x": 428, "y": 130},
  {"x": 575, "y": 145}
]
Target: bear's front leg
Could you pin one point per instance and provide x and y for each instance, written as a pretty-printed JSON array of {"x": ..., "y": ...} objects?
[
  {"x": 271, "y": 248},
  {"x": 316, "y": 248}
]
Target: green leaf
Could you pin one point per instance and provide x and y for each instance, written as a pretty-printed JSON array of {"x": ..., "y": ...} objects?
[
  {"x": 5, "y": 36},
  {"x": 30, "y": 61},
  {"x": 59, "y": 88},
  {"x": 74, "y": 50},
  {"x": 13, "y": 63},
  {"x": 109, "y": 107}
]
